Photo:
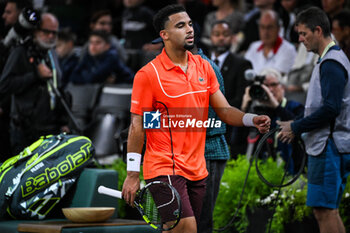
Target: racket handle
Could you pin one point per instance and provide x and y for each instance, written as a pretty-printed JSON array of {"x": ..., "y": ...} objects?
[{"x": 110, "y": 192}]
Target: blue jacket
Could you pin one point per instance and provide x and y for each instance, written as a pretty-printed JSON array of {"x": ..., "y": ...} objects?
[{"x": 98, "y": 68}]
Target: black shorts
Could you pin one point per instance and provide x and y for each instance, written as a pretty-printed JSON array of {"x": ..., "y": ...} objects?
[{"x": 191, "y": 193}]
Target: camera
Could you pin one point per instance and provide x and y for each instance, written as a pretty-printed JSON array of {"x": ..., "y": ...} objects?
[
  {"x": 256, "y": 91},
  {"x": 27, "y": 21},
  {"x": 20, "y": 33}
]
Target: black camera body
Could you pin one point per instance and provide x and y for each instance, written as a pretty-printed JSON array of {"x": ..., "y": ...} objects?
[
  {"x": 20, "y": 33},
  {"x": 256, "y": 91},
  {"x": 28, "y": 20}
]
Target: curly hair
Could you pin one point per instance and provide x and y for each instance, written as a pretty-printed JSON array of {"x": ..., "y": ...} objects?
[{"x": 163, "y": 14}]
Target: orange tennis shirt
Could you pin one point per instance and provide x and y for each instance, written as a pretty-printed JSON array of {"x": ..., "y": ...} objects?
[{"x": 161, "y": 85}]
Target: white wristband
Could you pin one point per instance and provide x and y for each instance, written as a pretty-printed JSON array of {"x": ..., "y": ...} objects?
[
  {"x": 133, "y": 161},
  {"x": 248, "y": 119}
]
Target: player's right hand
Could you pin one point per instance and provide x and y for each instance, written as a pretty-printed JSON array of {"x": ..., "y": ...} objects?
[
  {"x": 130, "y": 187},
  {"x": 262, "y": 123}
]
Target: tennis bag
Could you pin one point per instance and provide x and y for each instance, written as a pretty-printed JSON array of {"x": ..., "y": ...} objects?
[{"x": 34, "y": 181}]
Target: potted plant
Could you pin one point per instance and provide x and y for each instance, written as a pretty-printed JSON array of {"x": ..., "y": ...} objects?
[
  {"x": 258, "y": 203},
  {"x": 230, "y": 192},
  {"x": 291, "y": 211}
]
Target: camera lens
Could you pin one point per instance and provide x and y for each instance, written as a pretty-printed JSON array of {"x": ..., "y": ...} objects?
[{"x": 257, "y": 92}]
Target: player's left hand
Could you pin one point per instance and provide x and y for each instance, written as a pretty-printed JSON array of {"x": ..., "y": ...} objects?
[{"x": 262, "y": 123}]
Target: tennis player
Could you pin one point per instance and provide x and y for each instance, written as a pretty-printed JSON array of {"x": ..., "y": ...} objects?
[{"x": 177, "y": 80}]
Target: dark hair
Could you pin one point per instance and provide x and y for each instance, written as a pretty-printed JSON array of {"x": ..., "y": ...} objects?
[
  {"x": 163, "y": 14},
  {"x": 20, "y": 4},
  {"x": 222, "y": 21},
  {"x": 102, "y": 34},
  {"x": 66, "y": 35},
  {"x": 98, "y": 14},
  {"x": 343, "y": 18},
  {"x": 237, "y": 4},
  {"x": 313, "y": 17}
]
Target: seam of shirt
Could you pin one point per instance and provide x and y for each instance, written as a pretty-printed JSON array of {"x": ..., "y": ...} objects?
[{"x": 175, "y": 96}]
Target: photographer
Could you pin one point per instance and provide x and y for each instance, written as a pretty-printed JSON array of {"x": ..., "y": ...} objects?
[
  {"x": 27, "y": 73},
  {"x": 268, "y": 97},
  {"x": 10, "y": 15}
]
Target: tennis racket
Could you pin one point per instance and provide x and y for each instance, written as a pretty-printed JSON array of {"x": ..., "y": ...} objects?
[{"x": 158, "y": 203}]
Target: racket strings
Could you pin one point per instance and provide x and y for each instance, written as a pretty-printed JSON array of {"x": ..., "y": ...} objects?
[
  {"x": 151, "y": 208},
  {"x": 155, "y": 207}
]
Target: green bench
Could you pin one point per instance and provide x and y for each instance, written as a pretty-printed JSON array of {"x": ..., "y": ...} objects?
[{"x": 84, "y": 195}]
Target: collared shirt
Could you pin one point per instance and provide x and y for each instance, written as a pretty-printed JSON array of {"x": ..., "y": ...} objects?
[
  {"x": 280, "y": 58},
  {"x": 221, "y": 58},
  {"x": 332, "y": 43},
  {"x": 161, "y": 83}
]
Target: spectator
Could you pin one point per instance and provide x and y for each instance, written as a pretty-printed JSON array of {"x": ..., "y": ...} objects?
[
  {"x": 197, "y": 11},
  {"x": 227, "y": 10},
  {"x": 341, "y": 30},
  {"x": 137, "y": 28},
  {"x": 67, "y": 57},
  {"x": 232, "y": 68},
  {"x": 299, "y": 76},
  {"x": 102, "y": 21},
  {"x": 12, "y": 10},
  {"x": 271, "y": 51},
  {"x": 251, "y": 29},
  {"x": 101, "y": 63},
  {"x": 28, "y": 70},
  {"x": 287, "y": 14},
  {"x": 332, "y": 7},
  {"x": 277, "y": 107}
]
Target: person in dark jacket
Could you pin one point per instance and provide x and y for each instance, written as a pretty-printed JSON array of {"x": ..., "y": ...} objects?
[
  {"x": 101, "y": 63},
  {"x": 67, "y": 57},
  {"x": 137, "y": 27},
  {"x": 232, "y": 68},
  {"x": 26, "y": 76}
]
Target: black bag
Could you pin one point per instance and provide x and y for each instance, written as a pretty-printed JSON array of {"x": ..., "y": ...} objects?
[{"x": 34, "y": 181}]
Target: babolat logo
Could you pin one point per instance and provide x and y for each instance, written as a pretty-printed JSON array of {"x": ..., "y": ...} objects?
[
  {"x": 151, "y": 120},
  {"x": 52, "y": 174}
]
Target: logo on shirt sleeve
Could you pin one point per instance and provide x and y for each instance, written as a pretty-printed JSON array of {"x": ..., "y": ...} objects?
[{"x": 151, "y": 120}]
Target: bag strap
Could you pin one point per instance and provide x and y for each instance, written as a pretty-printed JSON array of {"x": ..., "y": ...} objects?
[{"x": 24, "y": 155}]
